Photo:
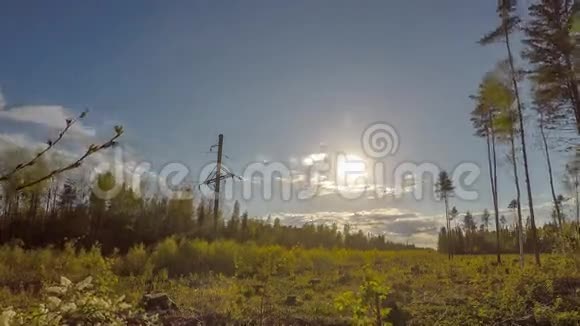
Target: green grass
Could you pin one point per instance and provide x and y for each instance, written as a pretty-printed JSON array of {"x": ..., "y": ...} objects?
[{"x": 231, "y": 283}]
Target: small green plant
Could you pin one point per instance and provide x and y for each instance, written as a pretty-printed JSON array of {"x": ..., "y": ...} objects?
[{"x": 366, "y": 305}]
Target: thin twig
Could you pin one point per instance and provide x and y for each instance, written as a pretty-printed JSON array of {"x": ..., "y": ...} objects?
[
  {"x": 90, "y": 151},
  {"x": 50, "y": 143}
]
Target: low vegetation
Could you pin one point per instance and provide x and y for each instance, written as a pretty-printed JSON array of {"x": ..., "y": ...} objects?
[{"x": 228, "y": 282}]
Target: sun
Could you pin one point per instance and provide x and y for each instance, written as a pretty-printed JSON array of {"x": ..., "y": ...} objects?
[{"x": 350, "y": 167}]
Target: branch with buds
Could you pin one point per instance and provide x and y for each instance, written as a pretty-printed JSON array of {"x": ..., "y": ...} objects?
[
  {"x": 90, "y": 151},
  {"x": 51, "y": 143}
]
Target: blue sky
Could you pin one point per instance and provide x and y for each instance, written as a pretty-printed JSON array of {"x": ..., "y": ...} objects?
[{"x": 278, "y": 78}]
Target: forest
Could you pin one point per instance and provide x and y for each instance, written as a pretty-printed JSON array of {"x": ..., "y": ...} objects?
[{"x": 71, "y": 257}]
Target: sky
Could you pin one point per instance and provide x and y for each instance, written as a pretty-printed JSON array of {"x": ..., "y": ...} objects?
[{"x": 284, "y": 81}]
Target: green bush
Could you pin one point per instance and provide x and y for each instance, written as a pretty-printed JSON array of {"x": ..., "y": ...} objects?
[
  {"x": 135, "y": 263},
  {"x": 77, "y": 304}
]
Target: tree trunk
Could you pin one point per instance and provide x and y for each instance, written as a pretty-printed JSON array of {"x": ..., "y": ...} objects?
[
  {"x": 577, "y": 201},
  {"x": 448, "y": 236},
  {"x": 523, "y": 140},
  {"x": 518, "y": 199},
  {"x": 449, "y": 245},
  {"x": 494, "y": 191},
  {"x": 574, "y": 94},
  {"x": 549, "y": 161}
]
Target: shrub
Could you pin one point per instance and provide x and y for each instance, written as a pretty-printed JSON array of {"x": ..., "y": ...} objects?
[
  {"x": 135, "y": 263},
  {"x": 77, "y": 304}
]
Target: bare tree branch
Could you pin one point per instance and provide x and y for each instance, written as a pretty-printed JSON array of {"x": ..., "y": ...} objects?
[
  {"x": 90, "y": 151},
  {"x": 50, "y": 143}
]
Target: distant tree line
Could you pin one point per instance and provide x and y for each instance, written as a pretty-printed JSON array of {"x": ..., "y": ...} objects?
[
  {"x": 466, "y": 236},
  {"x": 53, "y": 212}
]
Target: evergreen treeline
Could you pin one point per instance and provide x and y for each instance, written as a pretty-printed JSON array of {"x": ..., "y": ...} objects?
[
  {"x": 49, "y": 214},
  {"x": 472, "y": 239}
]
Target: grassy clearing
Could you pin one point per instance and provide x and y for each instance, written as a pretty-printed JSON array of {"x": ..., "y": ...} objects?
[{"x": 229, "y": 282}]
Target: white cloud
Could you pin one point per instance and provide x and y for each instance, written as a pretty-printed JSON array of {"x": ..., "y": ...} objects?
[
  {"x": 345, "y": 175},
  {"x": 397, "y": 225},
  {"x": 314, "y": 158},
  {"x": 121, "y": 159},
  {"x": 51, "y": 116},
  {"x": 54, "y": 118},
  {"x": 23, "y": 141},
  {"x": 17, "y": 140}
]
